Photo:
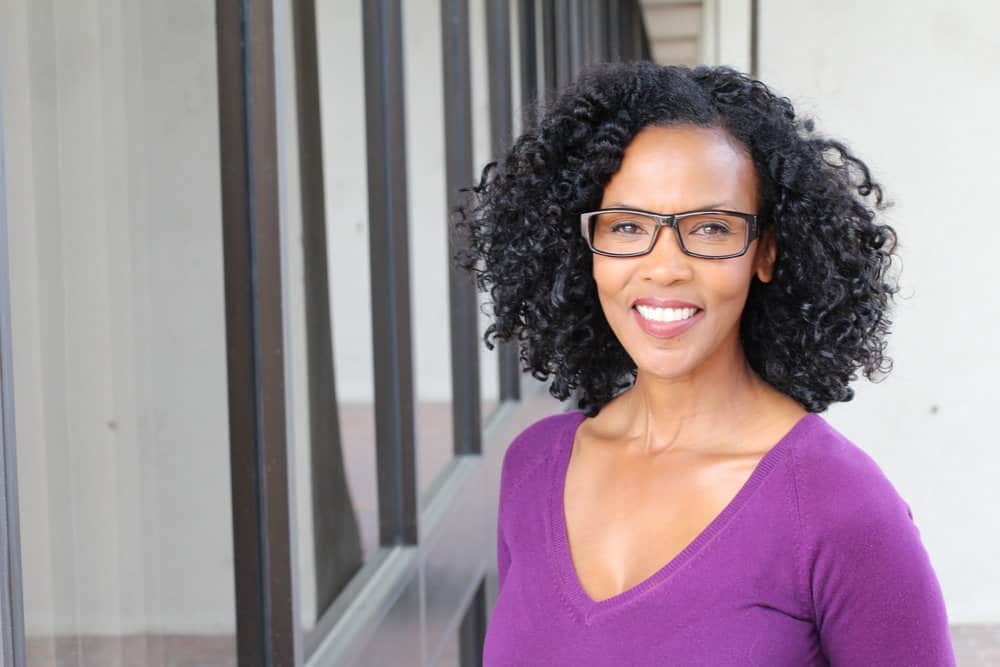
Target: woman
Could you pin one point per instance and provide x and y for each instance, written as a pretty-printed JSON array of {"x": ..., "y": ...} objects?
[{"x": 707, "y": 274}]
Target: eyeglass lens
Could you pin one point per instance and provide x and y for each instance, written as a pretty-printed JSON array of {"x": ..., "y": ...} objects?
[{"x": 710, "y": 234}]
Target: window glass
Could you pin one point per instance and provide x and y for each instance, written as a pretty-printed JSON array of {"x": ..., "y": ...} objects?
[
  {"x": 332, "y": 451},
  {"x": 429, "y": 255}
]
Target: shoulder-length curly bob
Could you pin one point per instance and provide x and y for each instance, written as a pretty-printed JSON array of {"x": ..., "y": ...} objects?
[{"x": 824, "y": 315}]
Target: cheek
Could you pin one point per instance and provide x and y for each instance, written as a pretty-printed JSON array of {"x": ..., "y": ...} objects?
[
  {"x": 611, "y": 278},
  {"x": 609, "y": 275},
  {"x": 725, "y": 291},
  {"x": 733, "y": 281}
]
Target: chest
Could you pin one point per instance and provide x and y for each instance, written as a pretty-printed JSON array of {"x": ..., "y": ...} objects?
[{"x": 627, "y": 521}]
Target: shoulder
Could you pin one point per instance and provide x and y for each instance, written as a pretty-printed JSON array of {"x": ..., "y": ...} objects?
[
  {"x": 533, "y": 445},
  {"x": 867, "y": 576},
  {"x": 839, "y": 485},
  {"x": 854, "y": 526}
]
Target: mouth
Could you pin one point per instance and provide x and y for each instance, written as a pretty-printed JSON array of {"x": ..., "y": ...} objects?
[
  {"x": 655, "y": 314},
  {"x": 660, "y": 322}
]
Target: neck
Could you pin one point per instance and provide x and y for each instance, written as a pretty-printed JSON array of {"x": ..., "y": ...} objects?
[{"x": 694, "y": 411}]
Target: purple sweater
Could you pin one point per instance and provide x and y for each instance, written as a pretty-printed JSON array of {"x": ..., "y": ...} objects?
[{"x": 815, "y": 561}]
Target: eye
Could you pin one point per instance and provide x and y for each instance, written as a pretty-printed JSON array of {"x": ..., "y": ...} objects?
[
  {"x": 627, "y": 228},
  {"x": 712, "y": 228}
]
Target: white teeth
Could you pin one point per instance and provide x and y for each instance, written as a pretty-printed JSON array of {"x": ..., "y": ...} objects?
[{"x": 665, "y": 314}]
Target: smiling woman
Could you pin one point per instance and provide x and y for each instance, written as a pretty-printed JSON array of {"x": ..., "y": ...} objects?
[
  {"x": 680, "y": 168},
  {"x": 695, "y": 508}
]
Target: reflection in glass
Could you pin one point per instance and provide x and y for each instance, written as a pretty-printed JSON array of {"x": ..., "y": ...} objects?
[
  {"x": 489, "y": 370},
  {"x": 428, "y": 216},
  {"x": 327, "y": 303}
]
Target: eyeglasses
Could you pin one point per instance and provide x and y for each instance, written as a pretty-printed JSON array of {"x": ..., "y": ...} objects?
[{"x": 622, "y": 232}]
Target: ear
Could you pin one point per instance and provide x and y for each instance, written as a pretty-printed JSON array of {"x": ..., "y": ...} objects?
[{"x": 767, "y": 253}]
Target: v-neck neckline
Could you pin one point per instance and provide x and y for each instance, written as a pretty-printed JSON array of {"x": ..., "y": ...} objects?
[{"x": 589, "y": 608}]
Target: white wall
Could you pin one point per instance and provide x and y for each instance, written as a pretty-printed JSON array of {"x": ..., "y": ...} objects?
[
  {"x": 913, "y": 88},
  {"x": 731, "y": 23},
  {"x": 111, "y": 141}
]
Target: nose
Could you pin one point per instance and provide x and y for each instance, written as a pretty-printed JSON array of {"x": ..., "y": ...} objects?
[{"x": 666, "y": 263}]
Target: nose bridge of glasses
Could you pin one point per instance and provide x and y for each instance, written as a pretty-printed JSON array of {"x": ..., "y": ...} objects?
[{"x": 668, "y": 225}]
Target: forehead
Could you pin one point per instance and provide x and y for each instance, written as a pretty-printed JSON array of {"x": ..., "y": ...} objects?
[{"x": 683, "y": 168}]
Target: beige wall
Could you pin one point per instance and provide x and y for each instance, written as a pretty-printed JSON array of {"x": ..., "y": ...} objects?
[{"x": 913, "y": 88}]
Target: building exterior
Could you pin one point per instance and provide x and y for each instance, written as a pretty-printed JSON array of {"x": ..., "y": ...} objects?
[{"x": 247, "y": 414}]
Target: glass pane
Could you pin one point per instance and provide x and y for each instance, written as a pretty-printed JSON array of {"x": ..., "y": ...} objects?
[
  {"x": 450, "y": 656},
  {"x": 332, "y": 452},
  {"x": 428, "y": 213},
  {"x": 110, "y": 113},
  {"x": 489, "y": 376},
  {"x": 345, "y": 160}
]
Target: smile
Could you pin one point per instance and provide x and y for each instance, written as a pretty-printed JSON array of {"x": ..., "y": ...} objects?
[
  {"x": 666, "y": 322},
  {"x": 665, "y": 314}
]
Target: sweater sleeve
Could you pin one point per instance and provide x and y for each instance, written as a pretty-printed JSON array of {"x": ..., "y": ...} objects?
[
  {"x": 503, "y": 557},
  {"x": 875, "y": 596},
  {"x": 519, "y": 460},
  {"x": 508, "y": 471}
]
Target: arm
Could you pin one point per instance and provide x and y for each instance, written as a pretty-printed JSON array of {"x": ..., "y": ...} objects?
[{"x": 877, "y": 600}]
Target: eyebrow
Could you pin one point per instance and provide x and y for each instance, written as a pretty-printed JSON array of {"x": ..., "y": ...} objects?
[{"x": 707, "y": 207}]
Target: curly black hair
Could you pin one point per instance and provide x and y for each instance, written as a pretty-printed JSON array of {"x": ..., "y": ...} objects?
[{"x": 823, "y": 316}]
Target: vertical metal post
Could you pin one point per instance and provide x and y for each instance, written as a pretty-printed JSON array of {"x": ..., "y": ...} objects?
[
  {"x": 598, "y": 13},
  {"x": 614, "y": 31},
  {"x": 390, "y": 286},
  {"x": 11, "y": 599},
  {"x": 528, "y": 45},
  {"x": 255, "y": 349},
  {"x": 642, "y": 37},
  {"x": 467, "y": 427},
  {"x": 629, "y": 48},
  {"x": 754, "y": 38},
  {"x": 563, "y": 37},
  {"x": 472, "y": 631},
  {"x": 547, "y": 36},
  {"x": 575, "y": 34},
  {"x": 498, "y": 46}
]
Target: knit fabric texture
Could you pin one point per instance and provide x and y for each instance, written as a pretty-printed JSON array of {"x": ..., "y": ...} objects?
[{"x": 816, "y": 561}]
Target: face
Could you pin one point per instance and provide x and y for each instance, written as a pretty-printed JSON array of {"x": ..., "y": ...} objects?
[{"x": 673, "y": 170}]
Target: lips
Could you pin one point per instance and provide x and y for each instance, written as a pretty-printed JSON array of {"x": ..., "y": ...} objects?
[
  {"x": 663, "y": 303},
  {"x": 666, "y": 318}
]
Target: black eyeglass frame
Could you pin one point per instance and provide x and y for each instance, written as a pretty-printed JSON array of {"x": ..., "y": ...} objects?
[{"x": 753, "y": 230}]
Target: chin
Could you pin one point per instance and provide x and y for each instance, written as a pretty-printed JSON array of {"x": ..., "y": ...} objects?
[{"x": 665, "y": 364}]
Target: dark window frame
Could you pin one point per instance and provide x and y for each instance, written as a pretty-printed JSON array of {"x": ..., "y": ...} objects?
[
  {"x": 265, "y": 627},
  {"x": 501, "y": 134}
]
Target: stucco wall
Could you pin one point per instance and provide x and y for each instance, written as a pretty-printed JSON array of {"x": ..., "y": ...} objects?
[{"x": 913, "y": 88}]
